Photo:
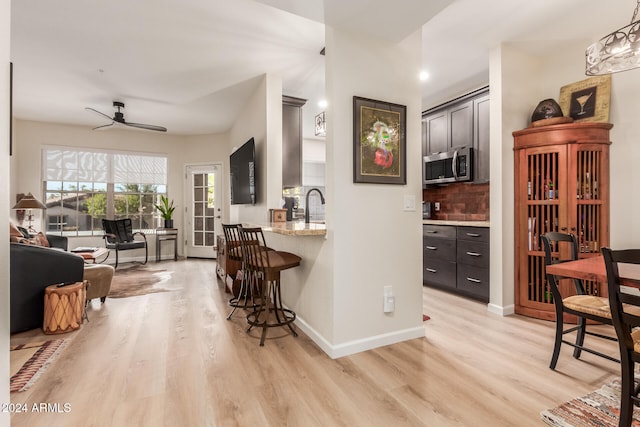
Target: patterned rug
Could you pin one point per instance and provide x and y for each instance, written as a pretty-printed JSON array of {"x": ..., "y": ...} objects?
[
  {"x": 599, "y": 408},
  {"x": 40, "y": 356},
  {"x": 135, "y": 279}
]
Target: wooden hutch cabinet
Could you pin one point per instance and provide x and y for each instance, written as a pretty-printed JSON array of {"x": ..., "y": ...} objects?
[{"x": 561, "y": 184}]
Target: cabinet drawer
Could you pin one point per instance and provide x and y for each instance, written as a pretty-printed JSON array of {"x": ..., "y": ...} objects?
[
  {"x": 473, "y": 253},
  {"x": 479, "y": 234},
  {"x": 437, "y": 248},
  {"x": 439, "y": 272},
  {"x": 443, "y": 231},
  {"x": 473, "y": 280}
]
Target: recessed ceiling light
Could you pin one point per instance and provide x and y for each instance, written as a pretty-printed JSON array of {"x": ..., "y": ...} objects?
[
  {"x": 322, "y": 103},
  {"x": 424, "y": 76}
]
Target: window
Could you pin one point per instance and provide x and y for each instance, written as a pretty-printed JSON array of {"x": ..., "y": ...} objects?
[{"x": 83, "y": 186}]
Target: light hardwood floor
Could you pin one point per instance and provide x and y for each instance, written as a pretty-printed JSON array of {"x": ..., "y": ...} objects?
[{"x": 171, "y": 359}]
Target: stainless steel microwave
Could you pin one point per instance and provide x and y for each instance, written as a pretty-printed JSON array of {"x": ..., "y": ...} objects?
[{"x": 451, "y": 166}]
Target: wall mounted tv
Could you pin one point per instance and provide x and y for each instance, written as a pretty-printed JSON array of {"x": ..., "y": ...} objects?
[{"x": 242, "y": 164}]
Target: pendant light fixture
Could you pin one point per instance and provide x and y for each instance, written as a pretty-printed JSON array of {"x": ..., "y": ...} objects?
[{"x": 618, "y": 51}]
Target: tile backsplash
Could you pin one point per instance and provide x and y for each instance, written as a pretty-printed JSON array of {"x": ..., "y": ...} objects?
[{"x": 459, "y": 201}]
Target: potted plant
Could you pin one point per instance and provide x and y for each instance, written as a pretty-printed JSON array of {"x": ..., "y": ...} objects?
[{"x": 166, "y": 209}]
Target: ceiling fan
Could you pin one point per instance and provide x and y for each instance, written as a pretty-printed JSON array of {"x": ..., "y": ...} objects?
[{"x": 118, "y": 118}]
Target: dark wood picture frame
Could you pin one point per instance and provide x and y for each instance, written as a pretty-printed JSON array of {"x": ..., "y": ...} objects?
[{"x": 379, "y": 142}]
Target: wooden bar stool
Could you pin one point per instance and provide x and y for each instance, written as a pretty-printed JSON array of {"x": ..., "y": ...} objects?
[
  {"x": 248, "y": 291},
  {"x": 264, "y": 265}
]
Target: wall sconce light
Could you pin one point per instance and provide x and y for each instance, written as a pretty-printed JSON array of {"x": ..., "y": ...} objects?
[{"x": 321, "y": 125}]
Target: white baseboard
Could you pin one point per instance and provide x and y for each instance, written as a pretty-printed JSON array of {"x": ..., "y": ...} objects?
[
  {"x": 357, "y": 346},
  {"x": 501, "y": 310}
]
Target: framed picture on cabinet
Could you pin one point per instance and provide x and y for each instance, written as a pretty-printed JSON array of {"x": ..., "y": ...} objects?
[
  {"x": 379, "y": 142},
  {"x": 587, "y": 100}
]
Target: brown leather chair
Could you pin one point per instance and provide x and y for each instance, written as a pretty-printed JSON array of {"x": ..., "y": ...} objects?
[{"x": 263, "y": 266}]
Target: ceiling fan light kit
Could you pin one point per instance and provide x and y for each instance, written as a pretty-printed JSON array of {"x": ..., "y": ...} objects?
[
  {"x": 119, "y": 118},
  {"x": 615, "y": 52}
]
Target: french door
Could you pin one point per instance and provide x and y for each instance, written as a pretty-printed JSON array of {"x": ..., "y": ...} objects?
[{"x": 203, "y": 209}]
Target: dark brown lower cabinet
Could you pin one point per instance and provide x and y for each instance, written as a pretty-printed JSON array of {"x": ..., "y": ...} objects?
[{"x": 456, "y": 258}]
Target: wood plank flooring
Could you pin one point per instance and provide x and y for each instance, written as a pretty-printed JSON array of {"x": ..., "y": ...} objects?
[{"x": 172, "y": 359}]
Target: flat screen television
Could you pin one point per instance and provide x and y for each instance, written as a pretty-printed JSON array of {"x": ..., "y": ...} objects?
[{"x": 242, "y": 165}]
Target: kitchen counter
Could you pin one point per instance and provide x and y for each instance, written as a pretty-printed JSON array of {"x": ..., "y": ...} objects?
[
  {"x": 296, "y": 228},
  {"x": 458, "y": 223}
]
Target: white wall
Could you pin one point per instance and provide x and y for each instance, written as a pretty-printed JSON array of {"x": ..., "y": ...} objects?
[
  {"x": 5, "y": 31},
  {"x": 375, "y": 243},
  {"x": 261, "y": 118}
]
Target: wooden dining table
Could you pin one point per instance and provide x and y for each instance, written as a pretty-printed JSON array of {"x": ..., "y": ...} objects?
[{"x": 593, "y": 269}]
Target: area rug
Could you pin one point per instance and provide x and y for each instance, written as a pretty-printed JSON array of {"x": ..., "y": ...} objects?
[
  {"x": 136, "y": 279},
  {"x": 599, "y": 408},
  {"x": 39, "y": 356}
]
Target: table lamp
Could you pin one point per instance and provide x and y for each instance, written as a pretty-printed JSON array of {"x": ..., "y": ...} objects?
[{"x": 29, "y": 202}]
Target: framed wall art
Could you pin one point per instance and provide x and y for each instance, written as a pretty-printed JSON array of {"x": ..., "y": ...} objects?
[
  {"x": 587, "y": 100},
  {"x": 379, "y": 142}
]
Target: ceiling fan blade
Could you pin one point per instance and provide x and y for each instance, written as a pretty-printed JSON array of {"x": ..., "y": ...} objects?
[
  {"x": 104, "y": 127},
  {"x": 98, "y": 112},
  {"x": 147, "y": 127}
]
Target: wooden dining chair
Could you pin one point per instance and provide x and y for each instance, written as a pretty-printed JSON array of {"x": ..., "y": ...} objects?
[
  {"x": 625, "y": 313},
  {"x": 583, "y": 306}
]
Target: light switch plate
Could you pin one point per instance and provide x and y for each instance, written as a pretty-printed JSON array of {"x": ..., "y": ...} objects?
[{"x": 409, "y": 203}]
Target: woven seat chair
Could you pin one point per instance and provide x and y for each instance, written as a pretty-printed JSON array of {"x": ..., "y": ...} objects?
[
  {"x": 119, "y": 236},
  {"x": 581, "y": 305},
  {"x": 625, "y": 312}
]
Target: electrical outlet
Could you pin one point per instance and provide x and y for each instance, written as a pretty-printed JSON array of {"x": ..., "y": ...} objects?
[
  {"x": 389, "y": 300},
  {"x": 436, "y": 206}
]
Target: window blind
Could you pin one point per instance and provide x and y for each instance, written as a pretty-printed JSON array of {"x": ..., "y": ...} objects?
[{"x": 82, "y": 165}]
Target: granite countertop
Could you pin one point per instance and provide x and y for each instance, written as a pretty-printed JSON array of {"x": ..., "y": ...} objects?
[
  {"x": 296, "y": 228},
  {"x": 458, "y": 223}
]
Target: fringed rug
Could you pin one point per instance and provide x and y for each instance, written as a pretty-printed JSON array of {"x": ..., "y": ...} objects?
[
  {"x": 135, "y": 279},
  {"x": 599, "y": 408},
  {"x": 40, "y": 356}
]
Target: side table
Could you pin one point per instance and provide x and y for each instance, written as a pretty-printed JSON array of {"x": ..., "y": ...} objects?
[
  {"x": 64, "y": 307},
  {"x": 163, "y": 235}
]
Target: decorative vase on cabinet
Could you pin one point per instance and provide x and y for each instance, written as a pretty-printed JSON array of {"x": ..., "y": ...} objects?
[{"x": 561, "y": 184}]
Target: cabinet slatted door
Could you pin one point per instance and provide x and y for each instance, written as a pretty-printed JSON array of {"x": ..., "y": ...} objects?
[{"x": 562, "y": 185}]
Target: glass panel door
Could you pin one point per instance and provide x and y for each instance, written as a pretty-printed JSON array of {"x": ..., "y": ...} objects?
[{"x": 204, "y": 210}]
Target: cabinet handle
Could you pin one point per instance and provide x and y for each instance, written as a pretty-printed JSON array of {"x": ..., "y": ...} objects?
[
  {"x": 431, "y": 270},
  {"x": 473, "y": 235},
  {"x": 431, "y": 231},
  {"x": 473, "y": 254},
  {"x": 431, "y": 248},
  {"x": 472, "y": 280}
]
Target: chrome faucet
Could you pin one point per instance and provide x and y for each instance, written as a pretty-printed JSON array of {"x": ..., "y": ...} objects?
[{"x": 306, "y": 203}]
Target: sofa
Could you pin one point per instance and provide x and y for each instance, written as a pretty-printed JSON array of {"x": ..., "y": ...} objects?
[{"x": 32, "y": 269}]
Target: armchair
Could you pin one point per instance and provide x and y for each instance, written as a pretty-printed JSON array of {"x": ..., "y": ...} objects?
[{"x": 119, "y": 236}]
